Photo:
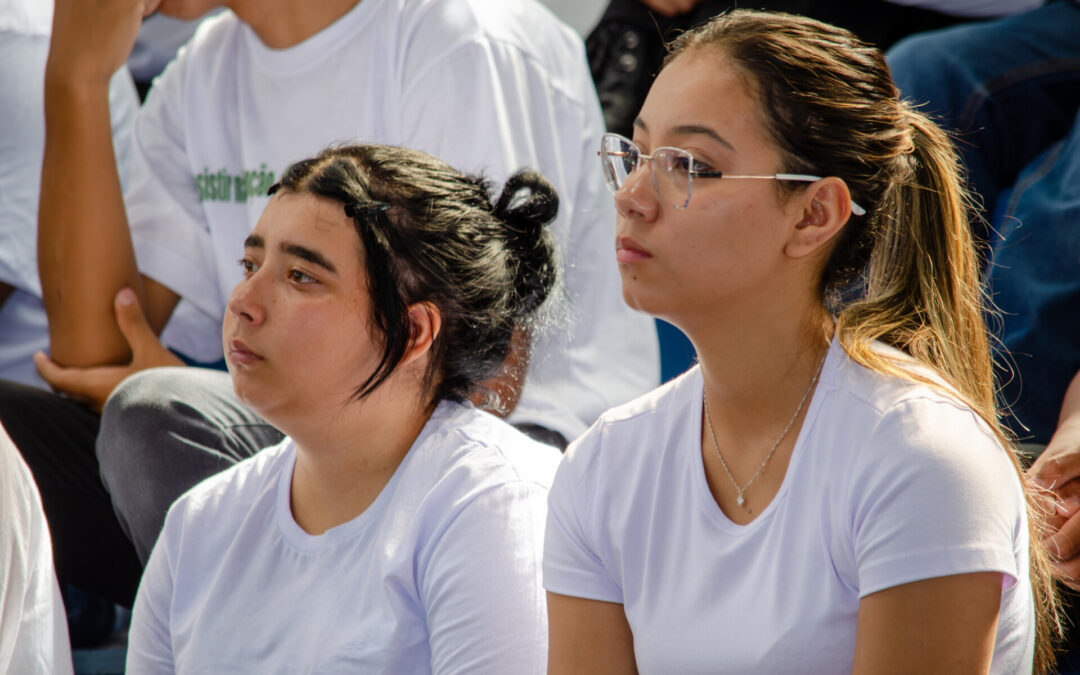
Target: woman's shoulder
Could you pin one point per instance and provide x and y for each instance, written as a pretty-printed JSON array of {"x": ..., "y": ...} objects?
[
  {"x": 882, "y": 423},
  {"x": 639, "y": 436},
  {"x": 467, "y": 471},
  {"x": 477, "y": 450},
  {"x": 674, "y": 398},
  {"x": 237, "y": 488}
]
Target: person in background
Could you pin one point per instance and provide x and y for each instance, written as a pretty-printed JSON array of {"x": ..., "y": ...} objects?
[
  {"x": 628, "y": 44},
  {"x": 405, "y": 526},
  {"x": 830, "y": 490},
  {"x": 25, "y": 27},
  {"x": 488, "y": 85}
]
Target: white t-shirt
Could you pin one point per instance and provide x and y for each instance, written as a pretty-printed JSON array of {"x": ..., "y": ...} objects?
[
  {"x": 441, "y": 574},
  {"x": 486, "y": 85},
  {"x": 33, "y": 625},
  {"x": 889, "y": 482},
  {"x": 24, "y": 46}
]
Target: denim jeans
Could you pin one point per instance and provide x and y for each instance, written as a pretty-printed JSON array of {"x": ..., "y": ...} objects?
[
  {"x": 1034, "y": 278},
  {"x": 1008, "y": 89}
]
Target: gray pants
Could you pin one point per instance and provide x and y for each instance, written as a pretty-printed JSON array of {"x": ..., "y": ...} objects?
[{"x": 162, "y": 431}]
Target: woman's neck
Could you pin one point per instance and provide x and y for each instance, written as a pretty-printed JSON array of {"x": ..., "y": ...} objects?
[
  {"x": 756, "y": 365},
  {"x": 280, "y": 24},
  {"x": 345, "y": 459}
]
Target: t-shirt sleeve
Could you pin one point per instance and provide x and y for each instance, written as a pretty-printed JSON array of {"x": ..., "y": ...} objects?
[
  {"x": 933, "y": 493},
  {"x": 573, "y": 555},
  {"x": 150, "y": 637},
  {"x": 168, "y": 225},
  {"x": 480, "y": 585}
]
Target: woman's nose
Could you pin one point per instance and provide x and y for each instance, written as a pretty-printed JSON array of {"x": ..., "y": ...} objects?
[
  {"x": 246, "y": 302},
  {"x": 637, "y": 196}
]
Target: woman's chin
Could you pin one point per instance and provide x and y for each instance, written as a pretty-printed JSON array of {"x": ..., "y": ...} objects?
[
  {"x": 251, "y": 395},
  {"x": 637, "y": 300}
]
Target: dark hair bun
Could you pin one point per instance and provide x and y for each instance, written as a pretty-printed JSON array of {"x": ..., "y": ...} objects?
[{"x": 529, "y": 202}]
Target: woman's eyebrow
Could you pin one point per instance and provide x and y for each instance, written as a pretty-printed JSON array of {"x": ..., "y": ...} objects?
[
  {"x": 308, "y": 254},
  {"x": 690, "y": 129}
]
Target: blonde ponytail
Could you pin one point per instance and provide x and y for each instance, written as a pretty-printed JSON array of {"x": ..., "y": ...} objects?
[{"x": 923, "y": 296}]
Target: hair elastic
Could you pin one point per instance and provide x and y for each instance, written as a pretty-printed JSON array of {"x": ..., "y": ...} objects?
[{"x": 356, "y": 209}]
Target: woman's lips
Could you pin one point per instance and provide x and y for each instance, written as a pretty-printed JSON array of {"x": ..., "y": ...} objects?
[
  {"x": 241, "y": 354},
  {"x": 628, "y": 251}
]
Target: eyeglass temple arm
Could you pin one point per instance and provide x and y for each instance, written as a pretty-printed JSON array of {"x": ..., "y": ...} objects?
[{"x": 800, "y": 177}]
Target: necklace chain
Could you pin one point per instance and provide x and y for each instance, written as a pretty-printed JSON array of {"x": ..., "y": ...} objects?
[{"x": 712, "y": 434}]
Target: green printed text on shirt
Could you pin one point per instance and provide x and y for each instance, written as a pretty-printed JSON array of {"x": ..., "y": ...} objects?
[{"x": 223, "y": 186}]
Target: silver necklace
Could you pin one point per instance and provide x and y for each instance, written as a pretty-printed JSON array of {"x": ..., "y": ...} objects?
[{"x": 739, "y": 491}]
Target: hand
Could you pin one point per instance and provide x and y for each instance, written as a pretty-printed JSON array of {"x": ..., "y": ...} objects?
[
  {"x": 92, "y": 39},
  {"x": 1057, "y": 470},
  {"x": 671, "y": 7},
  {"x": 93, "y": 385}
]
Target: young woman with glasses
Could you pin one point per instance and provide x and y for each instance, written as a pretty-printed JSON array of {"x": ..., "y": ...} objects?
[
  {"x": 397, "y": 529},
  {"x": 829, "y": 490}
]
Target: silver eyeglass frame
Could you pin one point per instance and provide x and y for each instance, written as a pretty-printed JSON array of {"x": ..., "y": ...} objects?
[{"x": 614, "y": 184}]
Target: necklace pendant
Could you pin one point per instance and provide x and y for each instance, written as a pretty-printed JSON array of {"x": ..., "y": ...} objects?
[{"x": 739, "y": 500}]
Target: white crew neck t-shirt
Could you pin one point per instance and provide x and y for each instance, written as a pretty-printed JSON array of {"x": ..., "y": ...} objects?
[
  {"x": 889, "y": 482},
  {"x": 487, "y": 86},
  {"x": 441, "y": 574}
]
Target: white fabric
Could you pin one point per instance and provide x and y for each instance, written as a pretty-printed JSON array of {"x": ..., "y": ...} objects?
[
  {"x": 581, "y": 15},
  {"x": 974, "y": 8},
  {"x": 160, "y": 37},
  {"x": 487, "y": 85},
  {"x": 24, "y": 45},
  {"x": 889, "y": 482},
  {"x": 33, "y": 626},
  {"x": 441, "y": 574}
]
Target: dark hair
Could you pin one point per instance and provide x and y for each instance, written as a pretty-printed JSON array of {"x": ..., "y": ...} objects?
[
  {"x": 432, "y": 234},
  {"x": 829, "y": 104}
]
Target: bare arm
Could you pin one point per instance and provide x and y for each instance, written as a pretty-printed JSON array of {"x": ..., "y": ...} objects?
[
  {"x": 1070, "y": 406},
  {"x": 941, "y": 625},
  {"x": 85, "y": 253},
  {"x": 588, "y": 637}
]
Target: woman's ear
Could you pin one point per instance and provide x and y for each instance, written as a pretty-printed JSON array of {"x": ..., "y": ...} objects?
[
  {"x": 425, "y": 321},
  {"x": 827, "y": 210}
]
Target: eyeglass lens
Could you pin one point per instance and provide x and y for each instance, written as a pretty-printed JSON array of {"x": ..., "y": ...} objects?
[{"x": 670, "y": 175}]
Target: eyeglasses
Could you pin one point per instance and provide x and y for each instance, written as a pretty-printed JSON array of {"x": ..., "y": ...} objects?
[{"x": 673, "y": 171}]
